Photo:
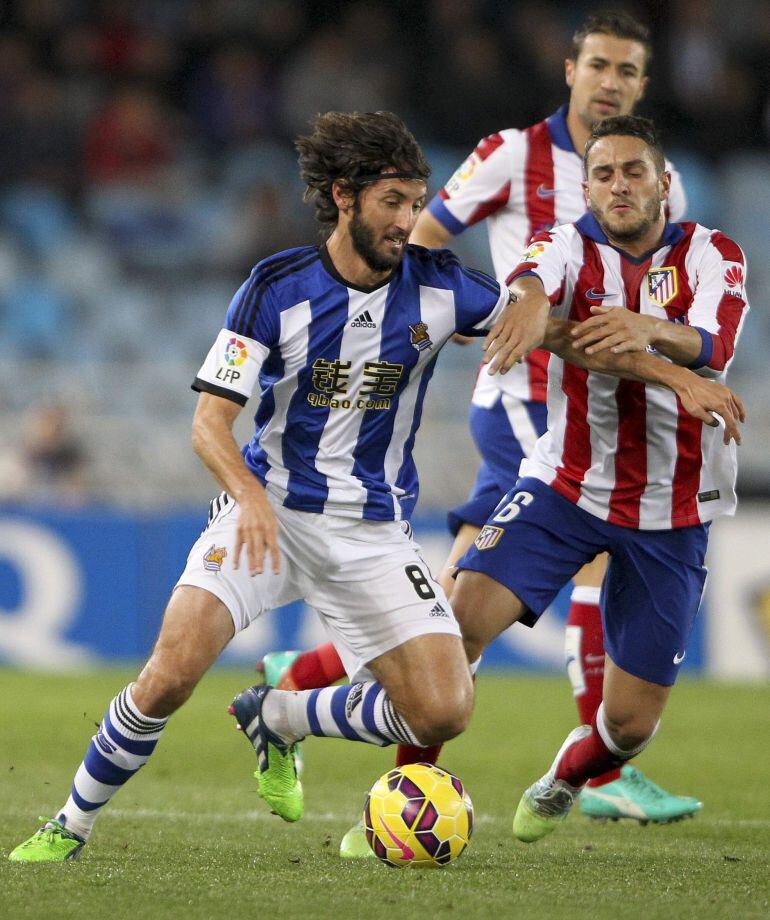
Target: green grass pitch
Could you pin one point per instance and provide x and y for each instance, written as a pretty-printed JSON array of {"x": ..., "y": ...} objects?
[{"x": 188, "y": 837}]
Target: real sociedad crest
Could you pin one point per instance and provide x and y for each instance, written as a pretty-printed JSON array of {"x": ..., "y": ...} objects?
[
  {"x": 662, "y": 285},
  {"x": 418, "y": 336}
]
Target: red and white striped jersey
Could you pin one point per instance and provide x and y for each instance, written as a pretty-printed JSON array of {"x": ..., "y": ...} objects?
[
  {"x": 522, "y": 182},
  {"x": 625, "y": 451}
]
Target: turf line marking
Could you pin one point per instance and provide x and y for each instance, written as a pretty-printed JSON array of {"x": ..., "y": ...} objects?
[{"x": 261, "y": 814}]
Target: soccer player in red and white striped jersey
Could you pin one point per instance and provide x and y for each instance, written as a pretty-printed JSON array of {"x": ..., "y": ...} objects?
[
  {"x": 623, "y": 468},
  {"x": 520, "y": 183}
]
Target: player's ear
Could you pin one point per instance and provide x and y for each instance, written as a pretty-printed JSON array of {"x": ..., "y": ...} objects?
[
  {"x": 665, "y": 181},
  {"x": 569, "y": 72},
  {"x": 586, "y": 194},
  {"x": 343, "y": 196},
  {"x": 643, "y": 83}
]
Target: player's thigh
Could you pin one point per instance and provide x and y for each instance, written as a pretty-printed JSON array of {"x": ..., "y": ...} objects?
[
  {"x": 531, "y": 546},
  {"x": 196, "y": 628},
  {"x": 651, "y": 597},
  {"x": 428, "y": 680},
  {"x": 378, "y": 593},
  {"x": 210, "y": 565}
]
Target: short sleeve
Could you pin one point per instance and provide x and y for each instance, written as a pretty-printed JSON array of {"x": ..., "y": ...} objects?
[
  {"x": 719, "y": 304},
  {"x": 546, "y": 257},
  {"x": 231, "y": 368},
  {"x": 479, "y": 301},
  {"x": 479, "y": 187}
]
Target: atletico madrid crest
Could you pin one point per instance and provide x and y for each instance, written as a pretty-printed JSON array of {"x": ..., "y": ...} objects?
[
  {"x": 489, "y": 537},
  {"x": 662, "y": 285}
]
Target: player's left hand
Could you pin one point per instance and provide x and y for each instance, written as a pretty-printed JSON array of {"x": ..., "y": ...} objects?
[
  {"x": 704, "y": 399},
  {"x": 615, "y": 328},
  {"x": 520, "y": 330}
]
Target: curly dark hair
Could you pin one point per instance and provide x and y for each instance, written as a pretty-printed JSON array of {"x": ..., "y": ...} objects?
[
  {"x": 348, "y": 147},
  {"x": 617, "y": 24},
  {"x": 628, "y": 126}
]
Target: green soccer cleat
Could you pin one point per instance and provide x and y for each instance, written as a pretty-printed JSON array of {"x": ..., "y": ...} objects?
[
  {"x": 548, "y": 801},
  {"x": 52, "y": 843},
  {"x": 275, "y": 667},
  {"x": 354, "y": 844},
  {"x": 637, "y": 797},
  {"x": 276, "y": 777}
]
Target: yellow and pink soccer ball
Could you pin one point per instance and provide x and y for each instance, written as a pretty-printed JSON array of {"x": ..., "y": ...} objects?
[{"x": 418, "y": 815}]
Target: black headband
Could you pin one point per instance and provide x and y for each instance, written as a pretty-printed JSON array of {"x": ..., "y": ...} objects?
[{"x": 375, "y": 177}]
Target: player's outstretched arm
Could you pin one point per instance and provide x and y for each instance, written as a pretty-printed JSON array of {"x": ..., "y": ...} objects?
[
  {"x": 213, "y": 442},
  {"x": 521, "y": 328},
  {"x": 701, "y": 398},
  {"x": 621, "y": 331},
  {"x": 430, "y": 232}
]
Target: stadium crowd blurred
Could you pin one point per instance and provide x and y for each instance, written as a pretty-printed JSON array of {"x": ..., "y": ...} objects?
[{"x": 147, "y": 165}]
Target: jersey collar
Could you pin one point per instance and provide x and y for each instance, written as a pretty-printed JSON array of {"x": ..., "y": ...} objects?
[
  {"x": 557, "y": 128},
  {"x": 589, "y": 226},
  {"x": 327, "y": 263}
]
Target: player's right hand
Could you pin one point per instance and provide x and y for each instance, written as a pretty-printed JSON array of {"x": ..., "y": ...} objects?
[
  {"x": 704, "y": 398},
  {"x": 257, "y": 531},
  {"x": 519, "y": 331}
]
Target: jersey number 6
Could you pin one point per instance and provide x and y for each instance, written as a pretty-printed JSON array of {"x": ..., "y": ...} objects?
[{"x": 513, "y": 507}]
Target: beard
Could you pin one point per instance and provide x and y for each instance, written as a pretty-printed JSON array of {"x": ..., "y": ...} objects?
[
  {"x": 362, "y": 237},
  {"x": 629, "y": 233}
]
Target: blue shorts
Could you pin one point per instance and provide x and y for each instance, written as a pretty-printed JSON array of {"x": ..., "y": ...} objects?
[
  {"x": 536, "y": 541},
  {"x": 504, "y": 435}
]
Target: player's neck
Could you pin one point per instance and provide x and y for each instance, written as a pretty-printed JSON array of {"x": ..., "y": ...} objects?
[
  {"x": 349, "y": 264},
  {"x": 578, "y": 130}
]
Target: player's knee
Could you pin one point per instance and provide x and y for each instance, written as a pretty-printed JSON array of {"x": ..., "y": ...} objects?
[
  {"x": 159, "y": 693},
  {"x": 630, "y": 730},
  {"x": 445, "y": 717}
]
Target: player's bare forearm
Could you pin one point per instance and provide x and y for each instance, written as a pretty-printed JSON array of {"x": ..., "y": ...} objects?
[
  {"x": 429, "y": 232},
  {"x": 699, "y": 397},
  {"x": 619, "y": 330},
  {"x": 521, "y": 328},
  {"x": 213, "y": 442}
]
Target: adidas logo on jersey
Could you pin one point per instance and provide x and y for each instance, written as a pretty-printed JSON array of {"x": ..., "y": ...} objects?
[
  {"x": 364, "y": 321},
  {"x": 438, "y": 611}
]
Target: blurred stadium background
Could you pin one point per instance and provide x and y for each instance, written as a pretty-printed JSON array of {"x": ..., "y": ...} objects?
[{"x": 147, "y": 165}]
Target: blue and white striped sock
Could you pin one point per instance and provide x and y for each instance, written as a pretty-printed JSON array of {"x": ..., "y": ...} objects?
[
  {"x": 123, "y": 744},
  {"x": 358, "y": 712}
]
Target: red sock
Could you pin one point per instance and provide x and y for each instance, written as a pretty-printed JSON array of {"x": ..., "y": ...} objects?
[
  {"x": 587, "y": 758},
  {"x": 586, "y": 649},
  {"x": 320, "y": 668},
  {"x": 408, "y": 753}
]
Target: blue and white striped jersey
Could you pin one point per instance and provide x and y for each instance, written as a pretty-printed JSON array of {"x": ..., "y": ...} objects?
[{"x": 343, "y": 372}]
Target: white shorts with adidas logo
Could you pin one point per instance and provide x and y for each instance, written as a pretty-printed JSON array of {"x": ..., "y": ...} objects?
[{"x": 366, "y": 579}]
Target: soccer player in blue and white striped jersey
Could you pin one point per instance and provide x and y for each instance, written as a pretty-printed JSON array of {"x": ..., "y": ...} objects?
[{"x": 341, "y": 340}]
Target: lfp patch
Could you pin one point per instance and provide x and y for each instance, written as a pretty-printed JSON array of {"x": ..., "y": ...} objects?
[
  {"x": 489, "y": 537},
  {"x": 662, "y": 284},
  {"x": 235, "y": 352}
]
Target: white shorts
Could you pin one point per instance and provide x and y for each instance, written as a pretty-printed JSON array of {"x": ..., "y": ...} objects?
[{"x": 366, "y": 579}]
